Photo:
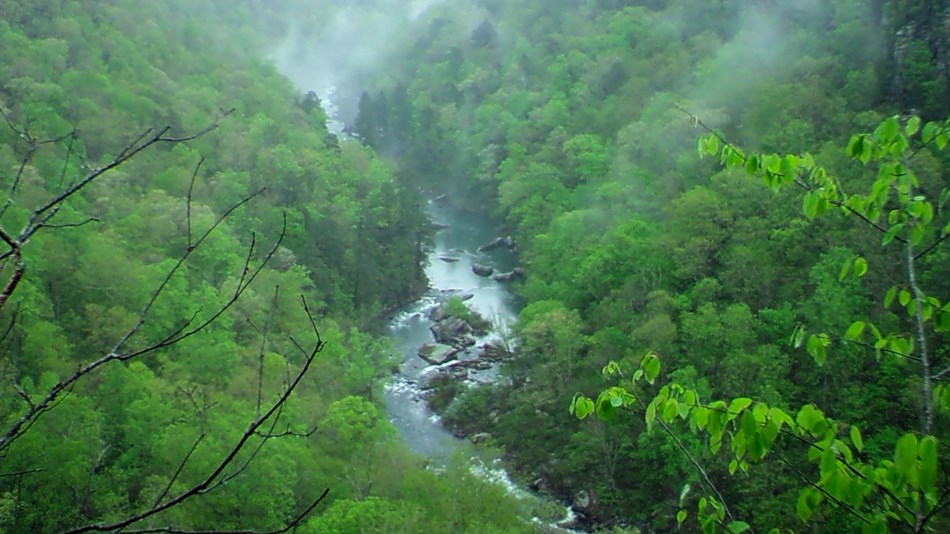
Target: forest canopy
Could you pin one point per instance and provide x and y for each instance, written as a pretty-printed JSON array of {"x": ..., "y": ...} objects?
[
  {"x": 731, "y": 218},
  {"x": 579, "y": 122}
]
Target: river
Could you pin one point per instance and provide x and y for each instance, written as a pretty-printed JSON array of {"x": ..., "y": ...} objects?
[
  {"x": 454, "y": 252},
  {"x": 450, "y": 273}
]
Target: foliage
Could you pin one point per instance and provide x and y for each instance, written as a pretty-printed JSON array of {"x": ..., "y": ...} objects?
[
  {"x": 568, "y": 121},
  {"x": 900, "y": 490},
  {"x": 78, "y": 86}
]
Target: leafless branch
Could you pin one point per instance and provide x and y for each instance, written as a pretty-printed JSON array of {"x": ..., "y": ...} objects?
[
  {"x": 23, "y": 472},
  {"x": 191, "y": 189},
  {"x": 19, "y": 270},
  {"x": 699, "y": 468},
  {"x": 844, "y": 506},
  {"x": 932, "y": 246},
  {"x": 73, "y": 225},
  {"x": 247, "y": 277},
  {"x": 181, "y": 467},
  {"x": 6, "y": 332},
  {"x": 236, "y": 449},
  {"x": 291, "y": 433},
  {"x": 292, "y": 524},
  {"x": 24, "y": 395},
  {"x": 260, "y": 356}
]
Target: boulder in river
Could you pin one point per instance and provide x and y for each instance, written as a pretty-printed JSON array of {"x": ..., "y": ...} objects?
[
  {"x": 482, "y": 270},
  {"x": 514, "y": 274},
  {"x": 505, "y": 241},
  {"x": 448, "y": 259},
  {"x": 437, "y": 354},
  {"x": 437, "y": 313},
  {"x": 452, "y": 331}
]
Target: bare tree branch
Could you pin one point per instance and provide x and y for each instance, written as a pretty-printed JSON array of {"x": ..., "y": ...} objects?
[
  {"x": 191, "y": 190},
  {"x": 211, "y": 478},
  {"x": 181, "y": 467},
  {"x": 293, "y": 523},
  {"x": 265, "y": 421}
]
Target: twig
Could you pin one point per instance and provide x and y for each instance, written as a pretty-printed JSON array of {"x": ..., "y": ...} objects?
[
  {"x": 181, "y": 467},
  {"x": 692, "y": 460},
  {"x": 200, "y": 487},
  {"x": 823, "y": 491},
  {"x": 191, "y": 189}
]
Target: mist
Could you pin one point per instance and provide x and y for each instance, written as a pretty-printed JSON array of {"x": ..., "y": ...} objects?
[{"x": 330, "y": 60}]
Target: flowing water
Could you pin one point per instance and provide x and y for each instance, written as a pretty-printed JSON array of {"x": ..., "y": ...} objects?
[{"x": 450, "y": 273}]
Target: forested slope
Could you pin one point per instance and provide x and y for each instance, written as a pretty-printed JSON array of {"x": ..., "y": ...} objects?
[
  {"x": 579, "y": 121},
  {"x": 114, "y": 284}
]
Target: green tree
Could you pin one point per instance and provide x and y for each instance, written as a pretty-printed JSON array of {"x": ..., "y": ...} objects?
[{"x": 904, "y": 490}]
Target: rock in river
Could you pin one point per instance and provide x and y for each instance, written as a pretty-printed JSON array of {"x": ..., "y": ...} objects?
[
  {"x": 506, "y": 241},
  {"x": 437, "y": 354},
  {"x": 514, "y": 274},
  {"x": 482, "y": 270},
  {"x": 453, "y": 331}
]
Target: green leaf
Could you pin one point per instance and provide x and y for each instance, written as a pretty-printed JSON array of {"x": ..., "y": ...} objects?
[
  {"x": 738, "y": 526},
  {"x": 912, "y": 126},
  {"x": 810, "y": 204},
  {"x": 856, "y": 438},
  {"x": 798, "y": 336},
  {"x": 903, "y": 297},
  {"x": 651, "y": 366},
  {"x": 616, "y": 401},
  {"x": 680, "y": 517},
  {"x": 860, "y": 267},
  {"x": 888, "y": 129},
  {"x": 684, "y": 492},
  {"x": 739, "y": 404},
  {"x": 855, "y": 330},
  {"x": 905, "y": 454},
  {"x": 752, "y": 164},
  {"x": 889, "y": 296},
  {"x": 581, "y": 406},
  {"x": 701, "y": 417},
  {"x": 805, "y": 506},
  {"x": 855, "y": 146},
  {"x": 941, "y": 139},
  {"x": 670, "y": 409},
  {"x": 892, "y": 233},
  {"x": 845, "y": 269},
  {"x": 689, "y": 398},
  {"x": 928, "y": 134},
  {"x": 927, "y": 450},
  {"x": 916, "y": 234},
  {"x": 816, "y": 349},
  {"x": 650, "y": 414},
  {"x": 712, "y": 145}
]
